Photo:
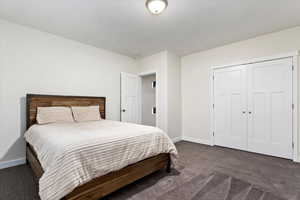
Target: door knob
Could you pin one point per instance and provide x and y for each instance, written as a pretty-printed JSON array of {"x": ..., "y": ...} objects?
[
  {"x": 250, "y": 112},
  {"x": 123, "y": 110},
  {"x": 244, "y": 112}
]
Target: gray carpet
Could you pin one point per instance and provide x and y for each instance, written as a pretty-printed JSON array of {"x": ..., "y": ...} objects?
[
  {"x": 268, "y": 175},
  {"x": 218, "y": 186}
]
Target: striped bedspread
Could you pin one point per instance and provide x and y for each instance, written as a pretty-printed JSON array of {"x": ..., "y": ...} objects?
[{"x": 72, "y": 154}]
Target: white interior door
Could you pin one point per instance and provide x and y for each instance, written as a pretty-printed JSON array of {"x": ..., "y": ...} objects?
[
  {"x": 130, "y": 98},
  {"x": 270, "y": 108},
  {"x": 230, "y": 107}
]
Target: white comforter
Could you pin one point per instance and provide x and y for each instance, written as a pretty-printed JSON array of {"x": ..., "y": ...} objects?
[{"x": 72, "y": 154}]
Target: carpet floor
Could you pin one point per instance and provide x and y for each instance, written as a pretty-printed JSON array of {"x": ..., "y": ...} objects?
[
  {"x": 218, "y": 186},
  {"x": 203, "y": 173}
]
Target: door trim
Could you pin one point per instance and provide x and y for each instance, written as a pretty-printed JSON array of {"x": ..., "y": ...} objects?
[
  {"x": 295, "y": 110},
  {"x": 295, "y": 58}
]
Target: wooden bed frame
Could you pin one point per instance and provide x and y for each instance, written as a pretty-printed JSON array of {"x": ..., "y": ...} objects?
[{"x": 101, "y": 186}]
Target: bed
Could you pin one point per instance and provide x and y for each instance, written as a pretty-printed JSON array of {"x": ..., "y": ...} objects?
[{"x": 106, "y": 183}]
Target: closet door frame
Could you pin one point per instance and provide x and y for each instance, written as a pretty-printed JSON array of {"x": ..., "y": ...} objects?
[{"x": 295, "y": 59}]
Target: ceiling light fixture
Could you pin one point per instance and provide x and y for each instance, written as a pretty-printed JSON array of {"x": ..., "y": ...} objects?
[{"x": 156, "y": 6}]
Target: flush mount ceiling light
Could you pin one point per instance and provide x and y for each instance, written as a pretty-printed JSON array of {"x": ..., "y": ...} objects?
[{"x": 156, "y": 6}]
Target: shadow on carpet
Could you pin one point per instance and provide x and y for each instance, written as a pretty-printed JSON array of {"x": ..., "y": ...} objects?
[{"x": 218, "y": 186}]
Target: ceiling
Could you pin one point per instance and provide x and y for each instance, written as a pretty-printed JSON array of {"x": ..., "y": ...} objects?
[{"x": 126, "y": 27}]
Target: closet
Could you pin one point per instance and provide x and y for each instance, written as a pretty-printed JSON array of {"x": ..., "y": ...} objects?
[{"x": 253, "y": 107}]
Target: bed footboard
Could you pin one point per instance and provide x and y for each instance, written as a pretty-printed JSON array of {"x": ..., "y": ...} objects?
[{"x": 104, "y": 185}]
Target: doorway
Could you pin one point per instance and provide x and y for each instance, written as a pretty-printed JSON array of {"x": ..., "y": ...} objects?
[
  {"x": 139, "y": 98},
  {"x": 148, "y": 100}
]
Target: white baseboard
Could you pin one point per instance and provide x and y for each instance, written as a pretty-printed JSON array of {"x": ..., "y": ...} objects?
[
  {"x": 176, "y": 139},
  {"x": 12, "y": 163},
  {"x": 196, "y": 140},
  {"x": 297, "y": 160}
]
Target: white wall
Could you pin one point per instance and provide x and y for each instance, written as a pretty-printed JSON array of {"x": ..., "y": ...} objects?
[
  {"x": 167, "y": 66},
  {"x": 174, "y": 95},
  {"x": 196, "y": 71},
  {"x": 36, "y": 62},
  {"x": 157, "y": 63}
]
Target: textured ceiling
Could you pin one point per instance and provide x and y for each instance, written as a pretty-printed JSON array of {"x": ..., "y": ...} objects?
[{"x": 126, "y": 27}]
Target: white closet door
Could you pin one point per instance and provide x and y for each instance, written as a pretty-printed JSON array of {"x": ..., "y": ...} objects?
[
  {"x": 229, "y": 107},
  {"x": 270, "y": 108}
]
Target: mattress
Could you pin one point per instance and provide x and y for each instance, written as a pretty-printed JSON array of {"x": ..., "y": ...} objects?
[{"x": 72, "y": 154}]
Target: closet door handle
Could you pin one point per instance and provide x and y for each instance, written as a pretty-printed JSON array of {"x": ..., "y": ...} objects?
[
  {"x": 244, "y": 112},
  {"x": 250, "y": 112}
]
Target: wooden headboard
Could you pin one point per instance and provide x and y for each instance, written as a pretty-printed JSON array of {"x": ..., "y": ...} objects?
[{"x": 33, "y": 101}]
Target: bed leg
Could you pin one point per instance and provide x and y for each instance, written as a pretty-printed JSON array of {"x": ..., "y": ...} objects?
[{"x": 168, "y": 169}]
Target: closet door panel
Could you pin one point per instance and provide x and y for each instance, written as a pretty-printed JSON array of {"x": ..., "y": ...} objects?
[
  {"x": 270, "y": 108},
  {"x": 230, "y": 103}
]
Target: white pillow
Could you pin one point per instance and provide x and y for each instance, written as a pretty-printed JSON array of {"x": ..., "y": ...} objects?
[
  {"x": 47, "y": 115},
  {"x": 86, "y": 113}
]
